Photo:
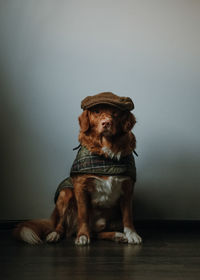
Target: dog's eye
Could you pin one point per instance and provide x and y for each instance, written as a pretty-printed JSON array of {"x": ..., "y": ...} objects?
[
  {"x": 96, "y": 111},
  {"x": 115, "y": 114}
]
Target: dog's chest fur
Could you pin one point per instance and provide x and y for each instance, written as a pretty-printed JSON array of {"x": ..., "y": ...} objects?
[{"x": 107, "y": 191}]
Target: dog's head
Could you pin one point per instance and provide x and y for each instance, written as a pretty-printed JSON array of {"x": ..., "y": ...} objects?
[{"x": 106, "y": 121}]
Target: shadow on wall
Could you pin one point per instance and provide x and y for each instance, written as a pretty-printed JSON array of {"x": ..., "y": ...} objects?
[{"x": 168, "y": 188}]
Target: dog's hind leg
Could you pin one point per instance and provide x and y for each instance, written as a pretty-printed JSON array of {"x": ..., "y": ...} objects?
[
  {"x": 59, "y": 214},
  {"x": 35, "y": 231},
  {"x": 113, "y": 236},
  {"x": 113, "y": 230}
]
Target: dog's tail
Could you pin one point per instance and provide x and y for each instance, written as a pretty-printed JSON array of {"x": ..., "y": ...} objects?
[{"x": 36, "y": 231}]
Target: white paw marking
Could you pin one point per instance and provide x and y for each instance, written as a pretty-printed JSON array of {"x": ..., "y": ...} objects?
[
  {"x": 120, "y": 237},
  {"x": 53, "y": 237},
  {"x": 132, "y": 236},
  {"x": 29, "y": 236},
  {"x": 82, "y": 240}
]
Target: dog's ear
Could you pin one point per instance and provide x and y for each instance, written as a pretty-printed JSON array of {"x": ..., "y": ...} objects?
[
  {"x": 84, "y": 121},
  {"x": 128, "y": 121}
]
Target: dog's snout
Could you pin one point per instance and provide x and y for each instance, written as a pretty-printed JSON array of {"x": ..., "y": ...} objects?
[{"x": 106, "y": 123}]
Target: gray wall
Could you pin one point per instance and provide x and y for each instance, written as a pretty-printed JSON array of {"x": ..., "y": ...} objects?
[{"x": 54, "y": 53}]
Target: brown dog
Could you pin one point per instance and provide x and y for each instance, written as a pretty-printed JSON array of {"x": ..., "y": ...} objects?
[{"x": 91, "y": 206}]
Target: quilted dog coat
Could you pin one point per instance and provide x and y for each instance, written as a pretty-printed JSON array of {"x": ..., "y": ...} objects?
[{"x": 88, "y": 163}]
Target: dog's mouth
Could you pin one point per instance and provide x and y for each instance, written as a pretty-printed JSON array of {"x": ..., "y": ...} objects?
[{"x": 106, "y": 132}]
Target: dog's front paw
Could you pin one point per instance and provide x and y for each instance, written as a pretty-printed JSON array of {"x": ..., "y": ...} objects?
[
  {"x": 132, "y": 236},
  {"x": 53, "y": 237},
  {"x": 82, "y": 240}
]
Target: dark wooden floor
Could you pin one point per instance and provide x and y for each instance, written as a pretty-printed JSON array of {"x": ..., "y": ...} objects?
[{"x": 165, "y": 254}]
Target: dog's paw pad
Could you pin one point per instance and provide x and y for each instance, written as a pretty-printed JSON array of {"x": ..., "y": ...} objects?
[
  {"x": 53, "y": 237},
  {"x": 82, "y": 240},
  {"x": 120, "y": 237},
  {"x": 132, "y": 236}
]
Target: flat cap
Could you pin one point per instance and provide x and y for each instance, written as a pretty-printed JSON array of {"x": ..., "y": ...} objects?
[{"x": 121, "y": 102}]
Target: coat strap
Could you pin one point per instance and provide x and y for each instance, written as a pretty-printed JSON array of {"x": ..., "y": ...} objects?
[
  {"x": 135, "y": 153},
  {"x": 76, "y": 148}
]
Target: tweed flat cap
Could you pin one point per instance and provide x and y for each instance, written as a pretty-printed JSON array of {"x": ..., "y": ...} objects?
[{"x": 122, "y": 103}]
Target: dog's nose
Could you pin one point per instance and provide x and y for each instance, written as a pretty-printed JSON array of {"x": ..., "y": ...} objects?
[{"x": 106, "y": 123}]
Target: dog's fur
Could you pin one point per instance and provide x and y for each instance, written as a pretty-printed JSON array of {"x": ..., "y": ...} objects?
[{"x": 91, "y": 208}]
